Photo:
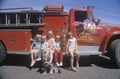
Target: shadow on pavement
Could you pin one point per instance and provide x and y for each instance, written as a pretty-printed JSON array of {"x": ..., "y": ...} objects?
[
  {"x": 85, "y": 61},
  {"x": 17, "y": 60},
  {"x": 97, "y": 61}
]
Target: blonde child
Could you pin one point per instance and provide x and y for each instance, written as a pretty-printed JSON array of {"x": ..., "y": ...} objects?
[
  {"x": 35, "y": 47},
  {"x": 71, "y": 48},
  {"x": 51, "y": 45},
  {"x": 43, "y": 49},
  {"x": 58, "y": 56}
]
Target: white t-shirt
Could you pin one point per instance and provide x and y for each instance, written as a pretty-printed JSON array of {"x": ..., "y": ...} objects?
[
  {"x": 57, "y": 45},
  {"x": 51, "y": 43},
  {"x": 44, "y": 45}
]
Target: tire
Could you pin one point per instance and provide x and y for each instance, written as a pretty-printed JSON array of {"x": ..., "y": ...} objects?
[
  {"x": 115, "y": 52},
  {"x": 3, "y": 53},
  {"x": 117, "y": 55}
]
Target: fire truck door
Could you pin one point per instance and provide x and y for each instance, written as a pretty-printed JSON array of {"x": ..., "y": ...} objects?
[{"x": 89, "y": 35}]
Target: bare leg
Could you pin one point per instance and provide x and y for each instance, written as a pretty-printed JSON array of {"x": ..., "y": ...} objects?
[
  {"x": 72, "y": 60},
  {"x": 77, "y": 58},
  {"x": 32, "y": 58},
  {"x": 31, "y": 55},
  {"x": 51, "y": 55},
  {"x": 36, "y": 53}
]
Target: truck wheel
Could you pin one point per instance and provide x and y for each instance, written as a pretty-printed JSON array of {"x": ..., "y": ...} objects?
[
  {"x": 115, "y": 52},
  {"x": 117, "y": 55},
  {"x": 3, "y": 53}
]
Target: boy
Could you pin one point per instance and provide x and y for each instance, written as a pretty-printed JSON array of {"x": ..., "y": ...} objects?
[
  {"x": 35, "y": 47},
  {"x": 43, "y": 48}
]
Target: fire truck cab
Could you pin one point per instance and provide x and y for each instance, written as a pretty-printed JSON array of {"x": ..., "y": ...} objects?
[{"x": 79, "y": 21}]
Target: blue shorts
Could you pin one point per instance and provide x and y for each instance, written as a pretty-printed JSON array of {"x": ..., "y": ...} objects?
[{"x": 40, "y": 53}]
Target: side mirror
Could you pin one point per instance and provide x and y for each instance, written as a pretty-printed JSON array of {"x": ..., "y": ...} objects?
[
  {"x": 98, "y": 21},
  {"x": 89, "y": 9}
]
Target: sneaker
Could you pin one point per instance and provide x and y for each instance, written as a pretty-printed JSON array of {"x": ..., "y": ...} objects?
[
  {"x": 30, "y": 68},
  {"x": 61, "y": 64},
  {"x": 38, "y": 59},
  {"x": 32, "y": 63},
  {"x": 58, "y": 64}
]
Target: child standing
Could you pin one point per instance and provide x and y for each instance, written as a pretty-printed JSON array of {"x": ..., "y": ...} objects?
[
  {"x": 58, "y": 56},
  {"x": 35, "y": 47},
  {"x": 72, "y": 50}
]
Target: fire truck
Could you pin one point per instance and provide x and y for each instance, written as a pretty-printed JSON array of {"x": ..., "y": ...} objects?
[{"x": 94, "y": 38}]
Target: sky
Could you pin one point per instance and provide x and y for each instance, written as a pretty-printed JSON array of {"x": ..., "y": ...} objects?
[{"x": 107, "y": 10}]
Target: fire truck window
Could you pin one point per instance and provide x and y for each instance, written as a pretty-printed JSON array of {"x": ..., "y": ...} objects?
[
  {"x": 80, "y": 15},
  {"x": 34, "y": 18},
  {"x": 11, "y": 18},
  {"x": 2, "y": 18},
  {"x": 22, "y": 18}
]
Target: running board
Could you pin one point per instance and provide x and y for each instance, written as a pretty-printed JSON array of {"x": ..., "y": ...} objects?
[
  {"x": 83, "y": 50},
  {"x": 18, "y": 52},
  {"x": 82, "y": 53},
  {"x": 89, "y": 50}
]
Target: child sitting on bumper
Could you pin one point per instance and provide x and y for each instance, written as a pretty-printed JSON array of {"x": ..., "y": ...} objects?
[
  {"x": 58, "y": 56},
  {"x": 43, "y": 49}
]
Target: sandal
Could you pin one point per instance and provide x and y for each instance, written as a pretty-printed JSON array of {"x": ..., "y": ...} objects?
[{"x": 73, "y": 69}]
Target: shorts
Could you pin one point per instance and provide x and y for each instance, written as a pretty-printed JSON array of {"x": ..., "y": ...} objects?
[{"x": 40, "y": 53}]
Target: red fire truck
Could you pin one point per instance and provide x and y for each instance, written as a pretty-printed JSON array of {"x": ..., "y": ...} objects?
[{"x": 93, "y": 37}]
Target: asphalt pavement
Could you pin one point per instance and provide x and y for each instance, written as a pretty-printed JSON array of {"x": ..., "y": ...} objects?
[{"x": 91, "y": 67}]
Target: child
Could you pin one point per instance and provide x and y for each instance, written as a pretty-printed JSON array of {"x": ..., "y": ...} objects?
[
  {"x": 58, "y": 51},
  {"x": 35, "y": 47},
  {"x": 71, "y": 48},
  {"x": 43, "y": 49},
  {"x": 51, "y": 45}
]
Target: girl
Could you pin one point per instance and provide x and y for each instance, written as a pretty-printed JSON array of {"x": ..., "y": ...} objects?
[
  {"x": 71, "y": 48},
  {"x": 58, "y": 51},
  {"x": 35, "y": 47},
  {"x": 51, "y": 45}
]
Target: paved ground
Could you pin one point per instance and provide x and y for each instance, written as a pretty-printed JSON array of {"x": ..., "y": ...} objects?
[{"x": 15, "y": 67}]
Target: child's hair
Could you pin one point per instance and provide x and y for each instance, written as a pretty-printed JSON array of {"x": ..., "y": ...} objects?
[
  {"x": 50, "y": 34},
  {"x": 37, "y": 36},
  {"x": 69, "y": 34},
  {"x": 57, "y": 37},
  {"x": 43, "y": 37}
]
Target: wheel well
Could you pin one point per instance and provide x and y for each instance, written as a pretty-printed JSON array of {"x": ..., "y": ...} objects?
[
  {"x": 112, "y": 39},
  {"x": 3, "y": 44}
]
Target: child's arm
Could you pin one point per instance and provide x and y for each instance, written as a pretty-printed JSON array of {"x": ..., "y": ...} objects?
[
  {"x": 55, "y": 47},
  {"x": 46, "y": 49},
  {"x": 67, "y": 46},
  {"x": 76, "y": 45},
  {"x": 31, "y": 47},
  {"x": 39, "y": 46}
]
